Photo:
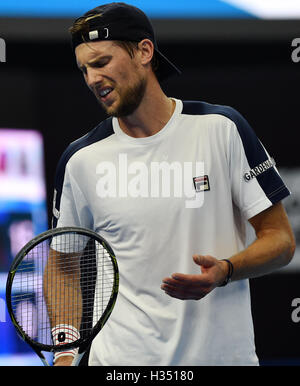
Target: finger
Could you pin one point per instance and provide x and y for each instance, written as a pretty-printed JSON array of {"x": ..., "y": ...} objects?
[
  {"x": 173, "y": 283},
  {"x": 204, "y": 260},
  {"x": 183, "y": 295},
  {"x": 174, "y": 295},
  {"x": 187, "y": 279}
]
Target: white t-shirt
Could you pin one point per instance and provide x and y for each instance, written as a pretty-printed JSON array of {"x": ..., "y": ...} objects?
[{"x": 189, "y": 189}]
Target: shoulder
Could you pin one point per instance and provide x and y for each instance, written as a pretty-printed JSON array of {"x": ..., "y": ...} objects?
[
  {"x": 239, "y": 131},
  {"x": 100, "y": 132},
  {"x": 204, "y": 108}
]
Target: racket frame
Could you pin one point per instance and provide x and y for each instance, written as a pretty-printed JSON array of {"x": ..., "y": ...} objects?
[{"x": 81, "y": 343}]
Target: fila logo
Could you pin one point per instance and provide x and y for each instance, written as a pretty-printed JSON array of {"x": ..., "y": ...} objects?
[
  {"x": 201, "y": 183},
  {"x": 259, "y": 169}
]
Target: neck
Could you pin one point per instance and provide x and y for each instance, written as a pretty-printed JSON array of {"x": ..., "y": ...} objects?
[{"x": 151, "y": 116}]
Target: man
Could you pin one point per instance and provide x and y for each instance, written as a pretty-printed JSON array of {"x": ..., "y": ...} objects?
[{"x": 172, "y": 186}]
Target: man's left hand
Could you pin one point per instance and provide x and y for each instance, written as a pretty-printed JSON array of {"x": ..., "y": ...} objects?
[{"x": 185, "y": 286}]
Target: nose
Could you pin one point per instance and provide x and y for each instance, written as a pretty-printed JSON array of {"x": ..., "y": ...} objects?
[{"x": 93, "y": 77}]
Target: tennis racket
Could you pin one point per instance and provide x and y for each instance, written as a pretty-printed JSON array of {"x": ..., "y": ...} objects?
[{"x": 61, "y": 289}]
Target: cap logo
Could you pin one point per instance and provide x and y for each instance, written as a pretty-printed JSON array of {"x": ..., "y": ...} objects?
[{"x": 93, "y": 35}]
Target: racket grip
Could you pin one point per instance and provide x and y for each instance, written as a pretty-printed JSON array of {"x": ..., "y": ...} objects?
[{"x": 64, "y": 333}]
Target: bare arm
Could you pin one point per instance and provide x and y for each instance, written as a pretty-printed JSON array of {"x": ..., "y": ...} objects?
[
  {"x": 62, "y": 292},
  {"x": 273, "y": 248}
]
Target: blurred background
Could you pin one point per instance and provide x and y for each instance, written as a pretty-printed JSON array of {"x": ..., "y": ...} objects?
[{"x": 240, "y": 53}]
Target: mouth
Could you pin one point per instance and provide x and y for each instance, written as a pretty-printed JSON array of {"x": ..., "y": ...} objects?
[{"x": 104, "y": 93}]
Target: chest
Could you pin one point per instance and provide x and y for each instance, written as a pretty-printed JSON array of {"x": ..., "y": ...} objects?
[{"x": 136, "y": 186}]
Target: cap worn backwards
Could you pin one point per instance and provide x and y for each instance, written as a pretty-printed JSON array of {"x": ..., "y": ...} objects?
[{"x": 120, "y": 21}]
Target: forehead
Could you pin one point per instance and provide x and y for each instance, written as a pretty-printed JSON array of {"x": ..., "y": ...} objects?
[{"x": 88, "y": 51}]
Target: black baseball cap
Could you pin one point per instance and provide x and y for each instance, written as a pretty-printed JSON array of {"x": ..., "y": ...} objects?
[{"x": 120, "y": 21}]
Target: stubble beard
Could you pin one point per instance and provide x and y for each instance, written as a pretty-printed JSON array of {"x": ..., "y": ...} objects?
[{"x": 130, "y": 100}]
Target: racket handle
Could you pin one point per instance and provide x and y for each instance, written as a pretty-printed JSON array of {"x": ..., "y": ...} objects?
[
  {"x": 77, "y": 359},
  {"x": 45, "y": 362},
  {"x": 41, "y": 356}
]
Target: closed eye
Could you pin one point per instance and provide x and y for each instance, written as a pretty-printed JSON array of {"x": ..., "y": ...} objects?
[{"x": 98, "y": 63}]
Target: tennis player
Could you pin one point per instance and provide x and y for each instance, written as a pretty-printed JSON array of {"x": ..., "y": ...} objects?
[{"x": 177, "y": 188}]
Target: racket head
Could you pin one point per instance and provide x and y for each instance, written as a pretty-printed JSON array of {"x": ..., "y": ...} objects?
[{"x": 15, "y": 289}]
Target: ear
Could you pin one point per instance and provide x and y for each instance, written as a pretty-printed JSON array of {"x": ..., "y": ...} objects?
[{"x": 146, "y": 48}]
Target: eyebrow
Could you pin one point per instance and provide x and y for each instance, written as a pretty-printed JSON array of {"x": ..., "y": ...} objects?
[{"x": 93, "y": 62}]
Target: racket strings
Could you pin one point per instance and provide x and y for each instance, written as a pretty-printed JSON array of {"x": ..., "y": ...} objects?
[{"x": 67, "y": 279}]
